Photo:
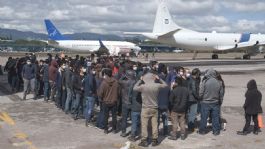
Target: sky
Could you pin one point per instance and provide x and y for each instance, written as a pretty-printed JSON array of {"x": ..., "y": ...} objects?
[{"x": 118, "y": 16}]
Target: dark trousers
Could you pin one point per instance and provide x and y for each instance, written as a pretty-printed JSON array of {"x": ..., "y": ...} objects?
[
  {"x": 78, "y": 105},
  {"x": 248, "y": 120},
  {"x": 100, "y": 117},
  {"x": 106, "y": 110},
  {"x": 46, "y": 90},
  {"x": 125, "y": 114},
  {"x": 52, "y": 89}
]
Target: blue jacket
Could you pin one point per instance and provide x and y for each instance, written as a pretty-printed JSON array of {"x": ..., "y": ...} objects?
[
  {"x": 89, "y": 85},
  {"x": 29, "y": 71}
]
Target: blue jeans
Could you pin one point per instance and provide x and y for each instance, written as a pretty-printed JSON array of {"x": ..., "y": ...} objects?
[
  {"x": 46, "y": 90},
  {"x": 90, "y": 102},
  {"x": 69, "y": 97},
  {"x": 191, "y": 114},
  {"x": 100, "y": 117},
  {"x": 125, "y": 113},
  {"x": 214, "y": 108},
  {"x": 162, "y": 113},
  {"x": 136, "y": 121},
  {"x": 78, "y": 105}
]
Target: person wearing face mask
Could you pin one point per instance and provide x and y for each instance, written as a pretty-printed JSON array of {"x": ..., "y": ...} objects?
[
  {"x": 154, "y": 67},
  {"x": 90, "y": 88},
  {"x": 125, "y": 82},
  {"x": 29, "y": 73},
  {"x": 45, "y": 73},
  {"x": 78, "y": 91},
  {"x": 60, "y": 79},
  {"x": 69, "y": 86},
  {"x": 193, "y": 87},
  {"x": 40, "y": 79}
]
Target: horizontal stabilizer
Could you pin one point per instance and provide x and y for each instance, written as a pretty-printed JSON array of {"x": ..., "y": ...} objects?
[
  {"x": 135, "y": 33},
  {"x": 53, "y": 42},
  {"x": 169, "y": 34}
]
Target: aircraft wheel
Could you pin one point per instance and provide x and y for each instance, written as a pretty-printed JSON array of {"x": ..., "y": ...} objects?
[
  {"x": 214, "y": 56},
  {"x": 246, "y": 56}
]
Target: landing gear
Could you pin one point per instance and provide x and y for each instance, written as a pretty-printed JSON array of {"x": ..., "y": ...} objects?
[
  {"x": 195, "y": 53},
  {"x": 246, "y": 56},
  {"x": 215, "y": 56}
]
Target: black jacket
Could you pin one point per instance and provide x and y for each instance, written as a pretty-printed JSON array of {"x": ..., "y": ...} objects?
[
  {"x": 193, "y": 87},
  {"x": 77, "y": 83},
  {"x": 253, "y": 99},
  {"x": 135, "y": 98},
  {"x": 125, "y": 84},
  {"x": 179, "y": 99},
  {"x": 68, "y": 78}
]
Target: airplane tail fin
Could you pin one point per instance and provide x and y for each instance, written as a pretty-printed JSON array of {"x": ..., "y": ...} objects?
[
  {"x": 53, "y": 32},
  {"x": 163, "y": 21}
]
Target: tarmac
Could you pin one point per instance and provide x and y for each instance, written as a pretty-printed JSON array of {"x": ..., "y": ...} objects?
[{"x": 34, "y": 124}]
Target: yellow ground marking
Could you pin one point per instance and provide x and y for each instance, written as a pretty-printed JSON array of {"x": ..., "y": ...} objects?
[
  {"x": 6, "y": 118},
  {"x": 21, "y": 136}
]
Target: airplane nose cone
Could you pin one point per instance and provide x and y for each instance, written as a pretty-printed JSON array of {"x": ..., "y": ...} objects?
[{"x": 137, "y": 48}]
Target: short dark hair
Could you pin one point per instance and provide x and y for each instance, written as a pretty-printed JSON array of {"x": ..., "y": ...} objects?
[
  {"x": 152, "y": 63},
  {"x": 195, "y": 72},
  {"x": 179, "y": 81},
  {"x": 108, "y": 72}
]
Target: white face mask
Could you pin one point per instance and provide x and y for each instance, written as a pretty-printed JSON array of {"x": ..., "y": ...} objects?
[
  {"x": 181, "y": 73},
  {"x": 93, "y": 72},
  {"x": 28, "y": 63},
  {"x": 188, "y": 75},
  {"x": 104, "y": 77},
  {"x": 84, "y": 70},
  {"x": 63, "y": 66},
  {"x": 134, "y": 68}
]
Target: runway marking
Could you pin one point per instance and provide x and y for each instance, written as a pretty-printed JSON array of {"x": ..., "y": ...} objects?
[
  {"x": 6, "y": 118},
  {"x": 18, "y": 134}
]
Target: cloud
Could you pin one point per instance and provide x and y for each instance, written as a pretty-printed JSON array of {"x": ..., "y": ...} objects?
[
  {"x": 117, "y": 16},
  {"x": 245, "y": 6}
]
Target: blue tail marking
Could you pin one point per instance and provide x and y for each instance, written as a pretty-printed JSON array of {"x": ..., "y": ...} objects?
[
  {"x": 244, "y": 37},
  {"x": 53, "y": 32},
  {"x": 101, "y": 43}
]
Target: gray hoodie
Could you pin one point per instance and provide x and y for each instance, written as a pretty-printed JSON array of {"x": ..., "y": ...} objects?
[
  {"x": 210, "y": 89},
  {"x": 149, "y": 89}
]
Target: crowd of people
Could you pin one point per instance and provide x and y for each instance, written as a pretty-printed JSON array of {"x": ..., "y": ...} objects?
[{"x": 143, "y": 94}]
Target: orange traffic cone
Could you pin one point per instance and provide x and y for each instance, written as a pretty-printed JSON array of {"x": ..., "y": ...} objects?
[{"x": 260, "y": 122}]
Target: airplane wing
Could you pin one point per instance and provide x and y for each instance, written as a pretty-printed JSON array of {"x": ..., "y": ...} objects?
[
  {"x": 245, "y": 46},
  {"x": 169, "y": 34}
]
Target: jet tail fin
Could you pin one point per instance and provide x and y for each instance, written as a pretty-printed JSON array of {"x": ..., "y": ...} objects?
[
  {"x": 53, "y": 32},
  {"x": 163, "y": 21}
]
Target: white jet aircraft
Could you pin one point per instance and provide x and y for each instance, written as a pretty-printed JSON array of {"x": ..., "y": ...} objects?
[
  {"x": 166, "y": 31},
  {"x": 56, "y": 39}
]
